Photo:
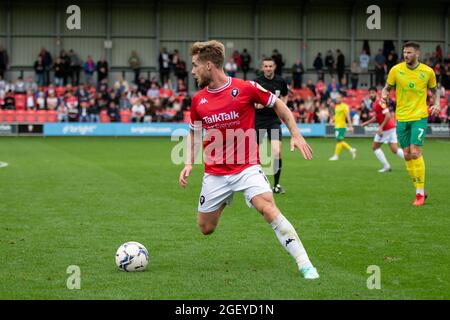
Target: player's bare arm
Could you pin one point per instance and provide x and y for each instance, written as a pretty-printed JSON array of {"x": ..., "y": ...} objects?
[
  {"x": 297, "y": 140},
  {"x": 385, "y": 93},
  {"x": 436, "y": 107},
  {"x": 193, "y": 147},
  {"x": 371, "y": 120},
  {"x": 387, "y": 117}
]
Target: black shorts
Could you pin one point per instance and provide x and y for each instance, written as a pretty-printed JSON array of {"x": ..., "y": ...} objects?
[{"x": 272, "y": 129}]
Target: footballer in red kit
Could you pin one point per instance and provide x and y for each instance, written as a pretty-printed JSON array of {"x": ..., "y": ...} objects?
[
  {"x": 230, "y": 110},
  {"x": 225, "y": 109},
  {"x": 386, "y": 132}
]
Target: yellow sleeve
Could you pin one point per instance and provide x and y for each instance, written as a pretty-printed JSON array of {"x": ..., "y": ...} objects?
[
  {"x": 432, "y": 80},
  {"x": 391, "y": 76}
]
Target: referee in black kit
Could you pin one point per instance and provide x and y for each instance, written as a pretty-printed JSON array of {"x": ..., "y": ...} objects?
[{"x": 267, "y": 121}]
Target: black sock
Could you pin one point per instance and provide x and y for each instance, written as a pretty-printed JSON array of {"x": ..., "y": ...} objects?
[{"x": 278, "y": 173}]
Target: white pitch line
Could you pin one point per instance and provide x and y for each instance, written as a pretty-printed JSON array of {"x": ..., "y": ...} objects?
[{"x": 3, "y": 164}]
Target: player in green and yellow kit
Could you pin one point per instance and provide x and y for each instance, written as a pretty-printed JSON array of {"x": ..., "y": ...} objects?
[
  {"x": 412, "y": 80},
  {"x": 341, "y": 118}
]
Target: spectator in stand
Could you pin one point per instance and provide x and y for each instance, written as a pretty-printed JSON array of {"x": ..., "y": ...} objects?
[
  {"x": 47, "y": 61},
  {"x": 113, "y": 112},
  {"x": 445, "y": 77},
  {"x": 135, "y": 64},
  {"x": 94, "y": 109},
  {"x": 231, "y": 67},
  {"x": 9, "y": 86},
  {"x": 390, "y": 62},
  {"x": 246, "y": 59},
  {"x": 66, "y": 63},
  {"x": 153, "y": 92},
  {"x": 166, "y": 92},
  {"x": 446, "y": 61},
  {"x": 364, "y": 114},
  {"x": 60, "y": 73},
  {"x": 318, "y": 66},
  {"x": 71, "y": 107},
  {"x": 380, "y": 68},
  {"x": 297, "y": 74},
  {"x": 19, "y": 86},
  {"x": 124, "y": 103},
  {"x": 180, "y": 88},
  {"x": 148, "y": 116},
  {"x": 181, "y": 70},
  {"x": 355, "y": 116},
  {"x": 279, "y": 63},
  {"x": 52, "y": 101},
  {"x": 85, "y": 105},
  {"x": 4, "y": 61},
  {"x": 121, "y": 85},
  {"x": 318, "y": 86},
  {"x": 9, "y": 102},
  {"x": 102, "y": 69},
  {"x": 329, "y": 62},
  {"x": 62, "y": 112},
  {"x": 237, "y": 59},
  {"x": 30, "y": 101},
  {"x": 333, "y": 86},
  {"x": 143, "y": 85},
  {"x": 89, "y": 68},
  {"x": 340, "y": 65},
  {"x": 323, "y": 113},
  {"x": 174, "y": 59},
  {"x": 39, "y": 71},
  {"x": 164, "y": 66},
  {"x": 75, "y": 67},
  {"x": 304, "y": 92},
  {"x": 137, "y": 111},
  {"x": 30, "y": 84},
  {"x": 364, "y": 61},
  {"x": 311, "y": 86},
  {"x": 324, "y": 95},
  {"x": 355, "y": 70},
  {"x": 41, "y": 99}
]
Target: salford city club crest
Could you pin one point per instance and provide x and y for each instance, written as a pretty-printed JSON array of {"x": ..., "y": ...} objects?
[{"x": 234, "y": 92}]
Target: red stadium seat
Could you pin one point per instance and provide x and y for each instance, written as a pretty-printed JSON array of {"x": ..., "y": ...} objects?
[
  {"x": 125, "y": 115},
  {"x": 2, "y": 116},
  {"x": 41, "y": 116},
  {"x": 104, "y": 116},
  {"x": 10, "y": 116},
  {"x": 52, "y": 116},
  {"x": 187, "y": 116},
  {"x": 20, "y": 116},
  {"x": 20, "y": 101},
  {"x": 30, "y": 116}
]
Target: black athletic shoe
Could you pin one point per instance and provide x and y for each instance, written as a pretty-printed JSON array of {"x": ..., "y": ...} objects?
[{"x": 278, "y": 189}]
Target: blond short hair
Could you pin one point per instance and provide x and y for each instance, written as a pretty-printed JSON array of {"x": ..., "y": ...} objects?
[{"x": 213, "y": 51}]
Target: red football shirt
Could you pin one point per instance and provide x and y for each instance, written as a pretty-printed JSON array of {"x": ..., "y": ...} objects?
[
  {"x": 380, "y": 114},
  {"x": 228, "y": 116}
]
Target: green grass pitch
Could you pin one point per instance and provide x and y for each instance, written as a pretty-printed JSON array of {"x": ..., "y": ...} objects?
[{"x": 73, "y": 201}]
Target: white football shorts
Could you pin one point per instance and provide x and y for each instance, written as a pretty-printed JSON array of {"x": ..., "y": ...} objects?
[
  {"x": 389, "y": 136},
  {"x": 217, "y": 190}
]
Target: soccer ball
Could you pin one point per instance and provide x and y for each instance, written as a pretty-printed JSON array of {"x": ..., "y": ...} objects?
[{"x": 132, "y": 256}]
